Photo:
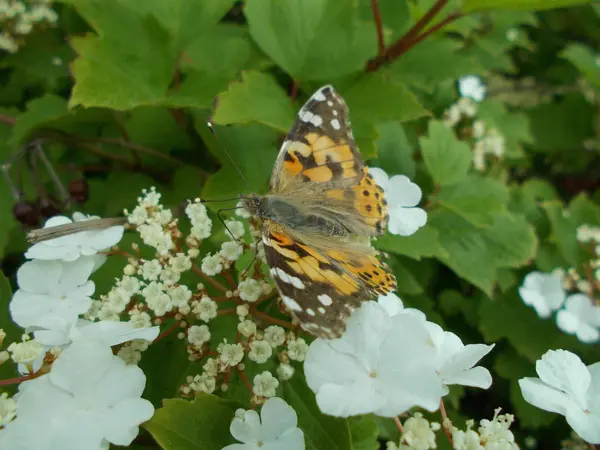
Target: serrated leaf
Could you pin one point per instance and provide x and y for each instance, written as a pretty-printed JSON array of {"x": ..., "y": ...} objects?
[
  {"x": 469, "y": 6},
  {"x": 394, "y": 150},
  {"x": 476, "y": 253},
  {"x": 311, "y": 39},
  {"x": 257, "y": 98},
  {"x": 425, "y": 243},
  {"x": 364, "y": 433},
  {"x": 447, "y": 159},
  {"x": 379, "y": 98},
  {"x": 201, "y": 424},
  {"x": 477, "y": 199},
  {"x": 320, "y": 431},
  {"x": 433, "y": 62}
]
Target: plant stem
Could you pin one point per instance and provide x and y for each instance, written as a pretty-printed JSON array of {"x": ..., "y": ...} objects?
[
  {"x": 378, "y": 27},
  {"x": 398, "y": 424}
]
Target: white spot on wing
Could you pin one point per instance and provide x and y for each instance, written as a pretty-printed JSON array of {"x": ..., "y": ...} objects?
[
  {"x": 277, "y": 272},
  {"x": 321, "y": 310},
  {"x": 325, "y": 299},
  {"x": 335, "y": 124},
  {"x": 335, "y": 113},
  {"x": 319, "y": 96},
  {"x": 310, "y": 312},
  {"x": 329, "y": 103},
  {"x": 291, "y": 303},
  {"x": 316, "y": 120}
]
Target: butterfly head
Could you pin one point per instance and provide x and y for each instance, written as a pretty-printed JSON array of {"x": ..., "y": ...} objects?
[{"x": 255, "y": 204}]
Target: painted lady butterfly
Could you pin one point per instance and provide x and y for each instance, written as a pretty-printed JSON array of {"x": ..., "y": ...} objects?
[{"x": 318, "y": 218}]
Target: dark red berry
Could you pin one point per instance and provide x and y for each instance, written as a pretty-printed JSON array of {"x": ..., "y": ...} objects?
[
  {"x": 27, "y": 213},
  {"x": 79, "y": 190},
  {"x": 49, "y": 207}
]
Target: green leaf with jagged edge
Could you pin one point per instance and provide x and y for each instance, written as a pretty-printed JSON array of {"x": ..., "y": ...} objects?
[
  {"x": 115, "y": 71},
  {"x": 477, "y": 199},
  {"x": 447, "y": 159},
  {"x": 475, "y": 253},
  {"x": 320, "y": 431},
  {"x": 469, "y": 6},
  {"x": 238, "y": 103},
  {"x": 364, "y": 433},
  {"x": 312, "y": 39},
  {"x": 506, "y": 316},
  {"x": 40, "y": 112},
  {"x": 250, "y": 148},
  {"x": 435, "y": 61},
  {"x": 201, "y": 424},
  {"x": 425, "y": 243},
  {"x": 394, "y": 150}
]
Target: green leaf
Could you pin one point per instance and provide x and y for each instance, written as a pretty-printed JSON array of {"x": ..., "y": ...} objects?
[
  {"x": 564, "y": 230},
  {"x": 40, "y": 112},
  {"x": 395, "y": 17},
  {"x": 394, "y": 150},
  {"x": 13, "y": 332},
  {"x": 407, "y": 273},
  {"x": 240, "y": 104},
  {"x": 469, "y": 6},
  {"x": 364, "y": 433},
  {"x": 433, "y": 62},
  {"x": 320, "y": 431},
  {"x": 585, "y": 59},
  {"x": 379, "y": 98},
  {"x": 425, "y": 243},
  {"x": 447, "y": 159},
  {"x": 475, "y": 254},
  {"x": 311, "y": 39},
  {"x": 477, "y": 199},
  {"x": 253, "y": 149},
  {"x": 201, "y": 424}
]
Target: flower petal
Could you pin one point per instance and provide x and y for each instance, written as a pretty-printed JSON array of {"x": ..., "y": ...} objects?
[
  {"x": 544, "y": 397},
  {"x": 380, "y": 177},
  {"x": 347, "y": 400},
  {"x": 403, "y": 192},
  {"x": 276, "y": 417},
  {"x": 564, "y": 371},
  {"x": 247, "y": 430},
  {"x": 476, "y": 377},
  {"x": 406, "y": 221}
]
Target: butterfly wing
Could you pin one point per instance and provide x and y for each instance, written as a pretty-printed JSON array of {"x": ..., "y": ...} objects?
[{"x": 321, "y": 284}]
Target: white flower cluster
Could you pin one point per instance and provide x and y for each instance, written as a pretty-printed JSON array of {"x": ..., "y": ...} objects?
[
  {"x": 488, "y": 141},
  {"x": 366, "y": 371},
  {"x": 577, "y": 314},
  {"x": 18, "y": 18},
  {"x": 492, "y": 434},
  {"x": 70, "y": 363}
]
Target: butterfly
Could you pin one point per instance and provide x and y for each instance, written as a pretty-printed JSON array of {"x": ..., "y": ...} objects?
[{"x": 318, "y": 219}]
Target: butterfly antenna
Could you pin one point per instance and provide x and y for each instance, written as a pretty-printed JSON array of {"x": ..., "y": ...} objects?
[{"x": 212, "y": 130}]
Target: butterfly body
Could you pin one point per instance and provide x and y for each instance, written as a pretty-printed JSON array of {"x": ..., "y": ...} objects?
[{"x": 319, "y": 217}]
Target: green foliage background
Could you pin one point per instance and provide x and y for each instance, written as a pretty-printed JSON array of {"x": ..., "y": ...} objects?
[{"x": 121, "y": 92}]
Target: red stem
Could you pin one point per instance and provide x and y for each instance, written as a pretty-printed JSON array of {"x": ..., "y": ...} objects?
[{"x": 378, "y": 27}]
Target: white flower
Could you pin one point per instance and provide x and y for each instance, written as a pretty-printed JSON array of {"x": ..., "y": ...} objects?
[
  {"x": 478, "y": 129},
  {"x": 154, "y": 235},
  {"x": 455, "y": 360},
  {"x": 212, "y": 265},
  {"x": 241, "y": 211},
  {"x": 52, "y": 292},
  {"x": 452, "y": 116},
  {"x": 418, "y": 433},
  {"x": 493, "y": 142},
  {"x": 231, "y": 250},
  {"x": 169, "y": 276},
  {"x": 204, "y": 383},
  {"x": 275, "y": 429},
  {"x": 260, "y": 352},
  {"x": 470, "y": 86},
  {"x": 196, "y": 212},
  {"x": 180, "y": 295},
  {"x": 402, "y": 196},
  {"x": 274, "y": 335},
  {"x": 8, "y": 409},
  {"x": 247, "y": 328},
  {"x": 202, "y": 230},
  {"x": 156, "y": 299},
  {"x": 587, "y": 233},
  {"x": 140, "y": 319},
  {"x": 285, "y": 371},
  {"x": 180, "y": 262},
  {"x": 88, "y": 400},
  {"x": 543, "y": 291},
  {"x": 265, "y": 384},
  {"x": 297, "y": 349},
  {"x": 206, "y": 309},
  {"x": 150, "y": 270},
  {"x": 108, "y": 332},
  {"x": 495, "y": 433},
  {"x": 27, "y": 351},
  {"x": 466, "y": 106},
  {"x": 366, "y": 370},
  {"x": 72, "y": 246},
  {"x": 250, "y": 290},
  {"x": 567, "y": 387},
  {"x": 236, "y": 228},
  {"x": 211, "y": 367},
  {"x": 129, "y": 354},
  {"x": 581, "y": 317},
  {"x": 230, "y": 354},
  {"x": 130, "y": 284},
  {"x": 198, "y": 335}
]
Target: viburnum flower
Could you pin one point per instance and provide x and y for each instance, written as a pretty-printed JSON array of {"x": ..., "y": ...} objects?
[
  {"x": 402, "y": 196},
  {"x": 107, "y": 331},
  {"x": 567, "y": 387},
  {"x": 471, "y": 86},
  {"x": 89, "y": 399},
  {"x": 52, "y": 292},
  {"x": 581, "y": 317},
  {"x": 544, "y": 292},
  {"x": 366, "y": 370},
  {"x": 275, "y": 429},
  {"x": 71, "y": 247}
]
